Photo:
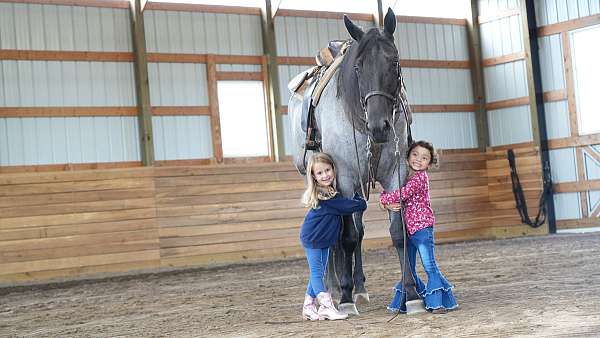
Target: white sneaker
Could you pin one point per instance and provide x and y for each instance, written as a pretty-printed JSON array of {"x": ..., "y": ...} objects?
[{"x": 327, "y": 310}]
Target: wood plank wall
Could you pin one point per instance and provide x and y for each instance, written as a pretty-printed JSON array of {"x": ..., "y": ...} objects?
[{"x": 68, "y": 225}]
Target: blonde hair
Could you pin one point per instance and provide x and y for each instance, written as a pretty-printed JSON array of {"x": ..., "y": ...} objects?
[{"x": 311, "y": 196}]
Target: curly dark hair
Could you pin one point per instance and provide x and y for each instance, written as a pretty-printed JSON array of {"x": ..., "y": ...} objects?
[{"x": 427, "y": 145}]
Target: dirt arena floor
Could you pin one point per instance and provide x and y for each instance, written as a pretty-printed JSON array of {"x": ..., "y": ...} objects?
[{"x": 543, "y": 286}]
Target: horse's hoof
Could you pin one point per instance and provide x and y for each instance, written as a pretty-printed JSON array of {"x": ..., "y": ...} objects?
[
  {"x": 349, "y": 309},
  {"x": 361, "y": 296}
]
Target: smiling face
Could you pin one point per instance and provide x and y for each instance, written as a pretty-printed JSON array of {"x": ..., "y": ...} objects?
[
  {"x": 419, "y": 158},
  {"x": 323, "y": 174}
]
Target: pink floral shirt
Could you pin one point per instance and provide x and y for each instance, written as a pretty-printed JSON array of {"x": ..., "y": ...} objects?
[{"x": 417, "y": 207}]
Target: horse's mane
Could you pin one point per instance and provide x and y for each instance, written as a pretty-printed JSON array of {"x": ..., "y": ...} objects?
[{"x": 347, "y": 83}]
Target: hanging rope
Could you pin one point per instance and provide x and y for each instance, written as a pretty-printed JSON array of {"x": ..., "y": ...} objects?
[{"x": 540, "y": 218}]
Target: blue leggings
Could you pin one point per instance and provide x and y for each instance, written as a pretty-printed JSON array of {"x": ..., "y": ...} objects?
[{"x": 317, "y": 264}]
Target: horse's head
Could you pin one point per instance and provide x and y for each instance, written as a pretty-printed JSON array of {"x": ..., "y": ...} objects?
[{"x": 375, "y": 68}]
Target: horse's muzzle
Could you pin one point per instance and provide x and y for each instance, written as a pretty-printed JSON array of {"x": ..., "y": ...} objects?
[{"x": 379, "y": 131}]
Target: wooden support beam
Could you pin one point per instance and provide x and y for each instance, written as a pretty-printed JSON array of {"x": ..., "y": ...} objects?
[
  {"x": 477, "y": 78},
  {"x": 378, "y": 18},
  {"x": 268, "y": 105},
  {"x": 66, "y": 111},
  {"x": 188, "y": 7},
  {"x": 269, "y": 64},
  {"x": 428, "y": 20},
  {"x": 55, "y": 55},
  {"x": 567, "y": 26},
  {"x": 213, "y": 104},
  {"x": 180, "y": 111},
  {"x": 323, "y": 14},
  {"x": 519, "y": 101},
  {"x": 568, "y": 66},
  {"x": 239, "y": 76},
  {"x": 84, "y": 3},
  {"x": 498, "y": 60},
  {"x": 555, "y": 95},
  {"x": 141, "y": 83},
  {"x": 581, "y": 177},
  {"x": 574, "y": 141}
]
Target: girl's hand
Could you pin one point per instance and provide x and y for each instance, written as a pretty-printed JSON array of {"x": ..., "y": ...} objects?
[{"x": 392, "y": 207}]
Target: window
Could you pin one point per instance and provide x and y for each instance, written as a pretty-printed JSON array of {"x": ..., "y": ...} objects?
[
  {"x": 243, "y": 118},
  {"x": 586, "y": 72}
]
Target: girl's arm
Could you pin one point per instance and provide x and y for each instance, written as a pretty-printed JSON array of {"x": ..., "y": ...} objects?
[
  {"x": 346, "y": 206},
  {"x": 416, "y": 183}
]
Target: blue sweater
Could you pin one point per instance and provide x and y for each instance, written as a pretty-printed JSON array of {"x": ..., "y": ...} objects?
[{"x": 321, "y": 226}]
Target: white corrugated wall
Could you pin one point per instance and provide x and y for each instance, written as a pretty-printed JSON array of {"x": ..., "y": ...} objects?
[
  {"x": 184, "y": 84},
  {"x": 34, "y": 141},
  {"x": 508, "y": 80},
  {"x": 563, "y": 161}
]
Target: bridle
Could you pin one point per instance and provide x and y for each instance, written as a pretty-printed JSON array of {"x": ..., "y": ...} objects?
[{"x": 397, "y": 101}]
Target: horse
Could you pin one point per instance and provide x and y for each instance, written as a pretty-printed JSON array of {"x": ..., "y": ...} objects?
[{"x": 362, "y": 118}]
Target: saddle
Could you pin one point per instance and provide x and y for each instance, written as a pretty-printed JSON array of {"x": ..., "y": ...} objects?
[{"x": 309, "y": 85}]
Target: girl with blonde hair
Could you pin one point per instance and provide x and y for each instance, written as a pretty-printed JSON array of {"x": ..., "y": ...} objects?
[{"x": 320, "y": 230}]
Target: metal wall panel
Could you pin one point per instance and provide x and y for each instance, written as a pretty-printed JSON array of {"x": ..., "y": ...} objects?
[
  {"x": 554, "y": 11},
  {"x": 446, "y": 130},
  {"x": 432, "y": 41},
  {"x": 178, "y": 84},
  {"x": 567, "y": 206},
  {"x": 501, "y": 37},
  {"x": 287, "y": 134},
  {"x": 34, "y": 141},
  {"x": 510, "y": 125},
  {"x": 181, "y": 137},
  {"x": 551, "y": 63},
  {"x": 489, "y": 7},
  {"x": 204, "y": 33},
  {"x": 65, "y": 28},
  {"x": 438, "y": 86},
  {"x": 66, "y": 83},
  {"x": 505, "y": 81},
  {"x": 299, "y": 36},
  {"x": 557, "y": 119},
  {"x": 563, "y": 164}
]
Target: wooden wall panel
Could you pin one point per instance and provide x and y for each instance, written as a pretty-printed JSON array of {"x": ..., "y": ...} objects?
[{"x": 67, "y": 225}]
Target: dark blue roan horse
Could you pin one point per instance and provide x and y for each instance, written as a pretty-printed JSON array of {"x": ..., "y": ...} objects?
[{"x": 362, "y": 122}]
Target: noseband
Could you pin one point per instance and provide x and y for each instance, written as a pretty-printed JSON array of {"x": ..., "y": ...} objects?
[{"x": 394, "y": 98}]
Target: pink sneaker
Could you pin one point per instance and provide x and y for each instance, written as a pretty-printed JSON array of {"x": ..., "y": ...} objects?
[
  {"x": 327, "y": 310},
  {"x": 309, "y": 309}
]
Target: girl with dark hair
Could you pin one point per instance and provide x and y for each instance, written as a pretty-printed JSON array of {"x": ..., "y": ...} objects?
[{"x": 414, "y": 202}]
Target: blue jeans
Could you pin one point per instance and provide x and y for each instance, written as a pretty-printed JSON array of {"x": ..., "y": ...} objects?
[
  {"x": 317, "y": 265},
  {"x": 438, "y": 291}
]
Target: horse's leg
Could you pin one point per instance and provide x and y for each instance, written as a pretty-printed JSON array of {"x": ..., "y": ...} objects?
[
  {"x": 360, "y": 292},
  {"x": 348, "y": 243},
  {"x": 331, "y": 278}
]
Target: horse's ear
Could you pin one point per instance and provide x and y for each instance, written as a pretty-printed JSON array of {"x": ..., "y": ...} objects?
[
  {"x": 355, "y": 32},
  {"x": 389, "y": 23}
]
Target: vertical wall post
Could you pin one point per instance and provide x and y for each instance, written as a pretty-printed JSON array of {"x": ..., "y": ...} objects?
[
  {"x": 213, "y": 106},
  {"x": 277, "y": 151},
  {"x": 477, "y": 79},
  {"x": 142, "y": 88},
  {"x": 378, "y": 17},
  {"x": 536, "y": 98}
]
